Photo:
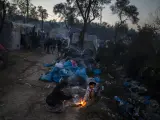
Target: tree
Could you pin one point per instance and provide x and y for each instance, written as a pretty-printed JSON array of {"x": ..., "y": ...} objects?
[
  {"x": 125, "y": 12},
  {"x": 12, "y": 11},
  {"x": 42, "y": 13},
  {"x": 87, "y": 10},
  {"x": 141, "y": 51},
  {"x": 66, "y": 11},
  {"x": 121, "y": 29},
  {"x": 24, "y": 6},
  {"x": 156, "y": 19},
  {"x": 33, "y": 12},
  {"x": 3, "y": 6},
  {"x": 27, "y": 7}
]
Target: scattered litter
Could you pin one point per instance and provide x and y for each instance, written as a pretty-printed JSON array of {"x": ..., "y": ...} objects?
[
  {"x": 119, "y": 68},
  {"x": 110, "y": 76},
  {"x": 28, "y": 84},
  {"x": 108, "y": 83}
]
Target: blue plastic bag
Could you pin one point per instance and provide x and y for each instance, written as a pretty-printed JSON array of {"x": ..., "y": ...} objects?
[
  {"x": 56, "y": 78},
  {"x": 97, "y": 79},
  {"x": 47, "y": 65},
  {"x": 97, "y": 71},
  {"x": 73, "y": 69},
  {"x": 68, "y": 64},
  {"x": 82, "y": 73},
  {"x": 65, "y": 72},
  {"x": 46, "y": 77},
  {"x": 126, "y": 84},
  {"x": 55, "y": 69}
]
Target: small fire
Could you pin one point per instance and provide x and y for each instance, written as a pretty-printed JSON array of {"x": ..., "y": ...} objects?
[{"x": 82, "y": 103}]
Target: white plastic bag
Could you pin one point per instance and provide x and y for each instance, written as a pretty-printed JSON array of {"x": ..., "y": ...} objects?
[{"x": 59, "y": 65}]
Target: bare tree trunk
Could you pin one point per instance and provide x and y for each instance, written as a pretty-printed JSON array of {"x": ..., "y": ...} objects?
[
  {"x": 115, "y": 36},
  {"x": 42, "y": 21},
  {"x": 27, "y": 1},
  {"x": 2, "y": 19},
  {"x": 82, "y": 35}
]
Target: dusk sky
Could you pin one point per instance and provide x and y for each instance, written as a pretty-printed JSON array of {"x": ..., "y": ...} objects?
[{"x": 144, "y": 6}]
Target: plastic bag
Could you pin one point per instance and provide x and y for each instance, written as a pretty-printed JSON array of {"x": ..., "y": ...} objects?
[
  {"x": 47, "y": 65},
  {"x": 97, "y": 79},
  {"x": 97, "y": 71},
  {"x": 126, "y": 84},
  {"x": 74, "y": 64},
  {"x": 55, "y": 69},
  {"x": 65, "y": 72},
  {"x": 82, "y": 73},
  {"x": 56, "y": 78},
  {"x": 46, "y": 77},
  {"x": 59, "y": 65},
  {"x": 68, "y": 64}
]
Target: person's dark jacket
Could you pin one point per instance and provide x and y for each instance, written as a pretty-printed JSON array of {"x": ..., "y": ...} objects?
[
  {"x": 59, "y": 45},
  {"x": 57, "y": 97}
]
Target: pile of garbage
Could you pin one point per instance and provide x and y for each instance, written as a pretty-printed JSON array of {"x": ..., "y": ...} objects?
[
  {"x": 63, "y": 69},
  {"x": 137, "y": 105}
]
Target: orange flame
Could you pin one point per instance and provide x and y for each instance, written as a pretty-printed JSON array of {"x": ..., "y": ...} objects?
[{"x": 82, "y": 103}]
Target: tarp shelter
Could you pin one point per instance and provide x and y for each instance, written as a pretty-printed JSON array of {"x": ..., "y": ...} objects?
[
  {"x": 11, "y": 34},
  {"x": 19, "y": 29}
]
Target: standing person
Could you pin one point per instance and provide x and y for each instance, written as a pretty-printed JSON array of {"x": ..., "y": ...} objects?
[
  {"x": 59, "y": 45},
  {"x": 55, "y": 100},
  {"x": 53, "y": 45}
]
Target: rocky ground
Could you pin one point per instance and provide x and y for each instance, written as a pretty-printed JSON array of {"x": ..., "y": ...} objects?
[{"x": 22, "y": 95}]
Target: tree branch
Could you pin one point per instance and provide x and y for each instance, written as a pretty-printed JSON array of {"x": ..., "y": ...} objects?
[
  {"x": 80, "y": 9},
  {"x": 88, "y": 9},
  {"x": 94, "y": 16}
]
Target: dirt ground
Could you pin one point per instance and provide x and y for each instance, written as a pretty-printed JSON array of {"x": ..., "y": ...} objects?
[{"x": 22, "y": 95}]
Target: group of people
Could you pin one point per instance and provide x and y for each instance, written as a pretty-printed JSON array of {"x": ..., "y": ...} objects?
[
  {"x": 55, "y": 100},
  {"x": 51, "y": 44}
]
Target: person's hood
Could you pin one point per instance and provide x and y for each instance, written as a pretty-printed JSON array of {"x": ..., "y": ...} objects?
[{"x": 89, "y": 80}]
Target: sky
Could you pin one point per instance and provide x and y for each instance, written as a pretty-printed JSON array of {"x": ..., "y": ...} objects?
[{"x": 145, "y": 7}]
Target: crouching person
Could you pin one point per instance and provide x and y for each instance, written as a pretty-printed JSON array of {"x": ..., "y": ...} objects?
[
  {"x": 55, "y": 100},
  {"x": 91, "y": 93}
]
